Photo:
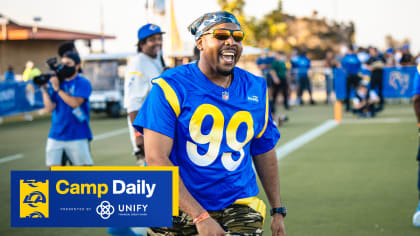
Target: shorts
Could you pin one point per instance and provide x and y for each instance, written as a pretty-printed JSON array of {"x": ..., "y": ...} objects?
[
  {"x": 77, "y": 151},
  {"x": 235, "y": 219}
]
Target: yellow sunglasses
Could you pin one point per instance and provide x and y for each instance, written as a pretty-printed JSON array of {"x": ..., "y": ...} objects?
[{"x": 223, "y": 34}]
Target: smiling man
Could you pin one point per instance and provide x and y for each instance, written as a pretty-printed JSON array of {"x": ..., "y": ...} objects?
[
  {"x": 212, "y": 120},
  {"x": 141, "y": 69}
]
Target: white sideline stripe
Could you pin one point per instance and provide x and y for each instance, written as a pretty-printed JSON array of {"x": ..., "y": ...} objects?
[
  {"x": 11, "y": 158},
  {"x": 296, "y": 143},
  {"x": 110, "y": 134},
  {"x": 372, "y": 120}
]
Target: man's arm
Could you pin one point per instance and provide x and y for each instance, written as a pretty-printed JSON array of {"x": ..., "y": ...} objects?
[
  {"x": 48, "y": 103},
  {"x": 73, "y": 102},
  {"x": 267, "y": 170},
  {"x": 416, "y": 103},
  {"x": 158, "y": 147},
  {"x": 273, "y": 74}
]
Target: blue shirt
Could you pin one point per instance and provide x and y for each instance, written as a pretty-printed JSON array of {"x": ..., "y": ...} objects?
[
  {"x": 9, "y": 76},
  {"x": 215, "y": 131},
  {"x": 265, "y": 60},
  {"x": 416, "y": 82},
  {"x": 302, "y": 64},
  {"x": 65, "y": 125},
  {"x": 351, "y": 64}
]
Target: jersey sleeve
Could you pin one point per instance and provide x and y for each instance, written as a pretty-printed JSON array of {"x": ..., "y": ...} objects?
[
  {"x": 267, "y": 141},
  {"x": 157, "y": 113},
  {"x": 416, "y": 82},
  {"x": 136, "y": 88},
  {"x": 268, "y": 136},
  {"x": 83, "y": 89}
]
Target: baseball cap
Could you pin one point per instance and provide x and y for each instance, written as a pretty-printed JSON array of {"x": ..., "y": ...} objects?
[
  {"x": 147, "y": 30},
  {"x": 74, "y": 56}
]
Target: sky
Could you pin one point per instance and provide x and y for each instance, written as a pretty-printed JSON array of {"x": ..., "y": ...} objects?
[{"x": 373, "y": 18}]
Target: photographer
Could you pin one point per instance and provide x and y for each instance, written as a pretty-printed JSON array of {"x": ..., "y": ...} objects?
[{"x": 66, "y": 95}]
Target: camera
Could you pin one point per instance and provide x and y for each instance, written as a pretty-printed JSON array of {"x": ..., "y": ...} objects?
[{"x": 56, "y": 68}]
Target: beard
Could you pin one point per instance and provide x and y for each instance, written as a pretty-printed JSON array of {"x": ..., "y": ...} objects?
[{"x": 224, "y": 72}]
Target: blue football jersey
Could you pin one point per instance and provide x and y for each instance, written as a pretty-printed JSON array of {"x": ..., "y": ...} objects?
[
  {"x": 215, "y": 130},
  {"x": 351, "y": 64},
  {"x": 416, "y": 82},
  {"x": 302, "y": 64}
]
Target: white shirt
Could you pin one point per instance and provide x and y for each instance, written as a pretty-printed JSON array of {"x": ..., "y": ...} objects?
[
  {"x": 372, "y": 95},
  {"x": 139, "y": 73}
]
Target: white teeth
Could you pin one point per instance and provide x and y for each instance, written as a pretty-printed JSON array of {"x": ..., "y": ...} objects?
[{"x": 228, "y": 54}]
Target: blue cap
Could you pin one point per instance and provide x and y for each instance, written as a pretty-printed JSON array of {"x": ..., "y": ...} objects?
[
  {"x": 147, "y": 30},
  {"x": 74, "y": 56},
  {"x": 406, "y": 47}
]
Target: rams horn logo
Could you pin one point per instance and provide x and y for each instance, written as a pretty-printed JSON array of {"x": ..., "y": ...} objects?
[
  {"x": 35, "y": 197},
  {"x": 36, "y": 214}
]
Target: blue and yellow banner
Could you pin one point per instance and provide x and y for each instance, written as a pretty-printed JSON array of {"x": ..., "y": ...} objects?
[
  {"x": 19, "y": 97},
  {"x": 397, "y": 82},
  {"x": 94, "y": 197}
]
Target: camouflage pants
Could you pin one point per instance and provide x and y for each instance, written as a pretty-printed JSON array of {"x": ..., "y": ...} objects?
[{"x": 234, "y": 219}]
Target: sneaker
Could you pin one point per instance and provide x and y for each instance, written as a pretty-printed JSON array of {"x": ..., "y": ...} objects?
[
  {"x": 416, "y": 217},
  {"x": 140, "y": 159}
]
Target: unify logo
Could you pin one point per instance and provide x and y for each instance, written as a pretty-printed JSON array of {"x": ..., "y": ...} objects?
[
  {"x": 253, "y": 98},
  {"x": 105, "y": 210},
  {"x": 34, "y": 199}
]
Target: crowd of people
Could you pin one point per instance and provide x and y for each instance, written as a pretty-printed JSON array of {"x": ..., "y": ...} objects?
[{"x": 291, "y": 73}]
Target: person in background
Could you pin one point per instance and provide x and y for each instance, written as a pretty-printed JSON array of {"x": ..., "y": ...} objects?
[
  {"x": 278, "y": 73},
  {"x": 406, "y": 58},
  {"x": 9, "y": 76},
  {"x": 68, "y": 100},
  {"x": 264, "y": 64},
  {"x": 351, "y": 66},
  {"x": 280, "y": 84},
  {"x": 330, "y": 64},
  {"x": 376, "y": 64},
  {"x": 390, "y": 58},
  {"x": 30, "y": 71},
  {"x": 365, "y": 100},
  {"x": 140, "y": 71},
  {"x": 363, "y": 55},
  {"x": 303, "y": 65},
  {"x": 28, "y": 74}
]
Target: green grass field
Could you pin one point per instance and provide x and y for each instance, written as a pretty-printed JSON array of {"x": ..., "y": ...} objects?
[{"x": 359, "y": 178}]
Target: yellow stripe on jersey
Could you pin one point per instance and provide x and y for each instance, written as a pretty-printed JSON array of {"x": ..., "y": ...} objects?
[
  {"x": 136, "y": 73},
  {"x": 418, "y": 68},
  {"x": 170, "y": 95},
  {"x": 266, "y": 117}
]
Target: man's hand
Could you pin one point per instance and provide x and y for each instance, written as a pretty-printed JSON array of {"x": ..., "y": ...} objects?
[
  {"x": 209, "y": 227},
  {"x": 55, "y": 83},
  {"x": 277, "y": 225}
]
